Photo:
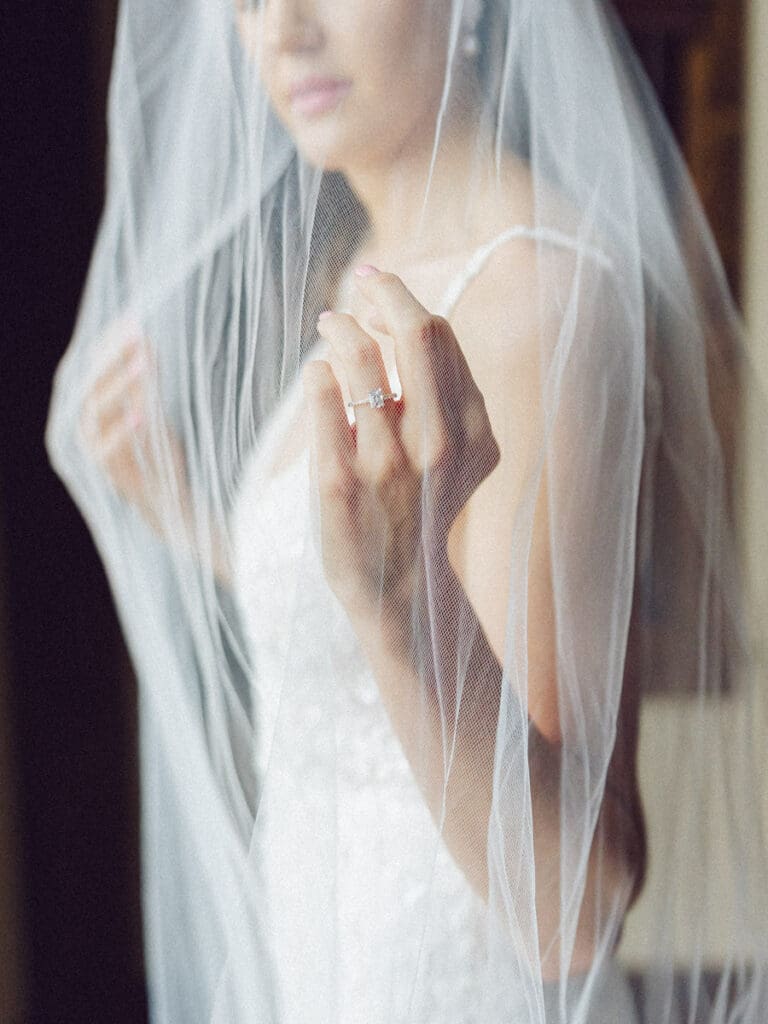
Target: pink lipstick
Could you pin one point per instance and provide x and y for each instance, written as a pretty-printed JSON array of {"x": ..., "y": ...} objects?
[{"x": 317, "y": 95}]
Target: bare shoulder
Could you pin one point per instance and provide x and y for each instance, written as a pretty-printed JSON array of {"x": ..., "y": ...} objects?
[
  {"x": 527, "y": 278},
  {"x": 509, "y": 319}
]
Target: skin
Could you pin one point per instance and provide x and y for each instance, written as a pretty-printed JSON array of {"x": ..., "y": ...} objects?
[
  {"x": 381, "y": 135},
  {"x": 484, "y": 421}
]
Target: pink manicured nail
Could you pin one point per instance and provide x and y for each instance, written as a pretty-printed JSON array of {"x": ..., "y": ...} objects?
[
  {"x": 324, "y": 314},
  {"x": 365, "y": 270}
]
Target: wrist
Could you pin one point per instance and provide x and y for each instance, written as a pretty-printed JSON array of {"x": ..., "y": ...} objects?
[{"x": 399, "y": 621}]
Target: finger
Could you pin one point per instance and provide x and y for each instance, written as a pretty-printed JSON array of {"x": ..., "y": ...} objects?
[
  {"x": 331, "y": 436},
  {"x": 129, "y": 401},
  {"x": 438, "y": 387},
  {"x": 370, "y": 319},
  {"x": 133, "y": 364},
  {"x": 362, "y": 363},
  {"x": 120, "y": 340},
  {"x": 121, "y": 438}
]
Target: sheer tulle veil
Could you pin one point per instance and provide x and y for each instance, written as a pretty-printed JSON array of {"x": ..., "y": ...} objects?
[{"x": 450, "y": 710}]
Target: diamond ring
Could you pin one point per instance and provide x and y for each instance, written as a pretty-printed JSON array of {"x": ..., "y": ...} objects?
[{"x": 376, "y": 399}]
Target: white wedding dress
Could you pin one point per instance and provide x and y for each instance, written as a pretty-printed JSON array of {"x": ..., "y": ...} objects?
[{"x": 405, "y": 935}]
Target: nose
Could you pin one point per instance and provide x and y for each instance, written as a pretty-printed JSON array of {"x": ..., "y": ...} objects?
[{"x": 291, "y": 25}]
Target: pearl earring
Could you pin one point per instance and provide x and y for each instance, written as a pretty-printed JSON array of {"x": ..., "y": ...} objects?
[{"x": 470, "y": 44}]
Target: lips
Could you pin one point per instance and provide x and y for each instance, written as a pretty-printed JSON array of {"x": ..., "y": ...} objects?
[{"x": 317, "y": 95}]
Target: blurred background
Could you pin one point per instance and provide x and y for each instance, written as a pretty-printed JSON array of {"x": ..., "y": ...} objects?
[{"x": 70, "y": 920}]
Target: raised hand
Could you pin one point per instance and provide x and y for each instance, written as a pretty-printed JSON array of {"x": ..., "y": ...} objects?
[
  {"x": 391, "y": 487},
  {"x": 123, "y": 428}
]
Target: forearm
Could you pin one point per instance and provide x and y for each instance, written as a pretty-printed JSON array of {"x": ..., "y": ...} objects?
[
  {"x": 441, "y": 685},
  {"x": 443, "y": 700}
]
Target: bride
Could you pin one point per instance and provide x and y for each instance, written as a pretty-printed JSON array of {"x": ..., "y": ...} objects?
[{"x": 388, "y": 373}]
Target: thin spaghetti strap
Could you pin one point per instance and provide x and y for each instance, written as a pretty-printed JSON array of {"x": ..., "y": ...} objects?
[{"x": 477, "y": 260}]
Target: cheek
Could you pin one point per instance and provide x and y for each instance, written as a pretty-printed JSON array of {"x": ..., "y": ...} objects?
[{"x": 400, "y": 68}]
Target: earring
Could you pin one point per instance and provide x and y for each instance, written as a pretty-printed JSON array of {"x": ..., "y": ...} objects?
[{"x": 470, "y": 44}]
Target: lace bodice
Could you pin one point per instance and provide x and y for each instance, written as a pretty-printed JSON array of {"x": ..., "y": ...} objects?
[{"x": 327, "y": 752}]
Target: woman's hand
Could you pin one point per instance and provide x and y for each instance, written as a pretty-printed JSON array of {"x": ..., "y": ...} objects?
[
  {"x": 391, "y": 486},
  {"x": 123, "y": 429}
]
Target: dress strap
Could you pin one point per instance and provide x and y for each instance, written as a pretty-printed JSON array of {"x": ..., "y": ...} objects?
[{"x": 477, "y": 260}]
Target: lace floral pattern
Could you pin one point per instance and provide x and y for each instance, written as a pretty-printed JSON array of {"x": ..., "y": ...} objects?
[{"x": 327, "y": 752}]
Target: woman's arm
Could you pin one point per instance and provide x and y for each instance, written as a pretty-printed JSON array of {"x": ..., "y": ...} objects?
[
  {"x": 437, "y": 649},
  {"x": 444, "y": 697},
  {"x": 427, "y": 684}
]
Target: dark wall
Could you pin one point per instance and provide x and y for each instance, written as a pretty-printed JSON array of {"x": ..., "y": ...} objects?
[{"x": 70, "y": 700}]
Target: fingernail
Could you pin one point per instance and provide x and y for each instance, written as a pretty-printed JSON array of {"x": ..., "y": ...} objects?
[
  {"x": 324, "y": 314},
  {"x": 365, "y": 270}
]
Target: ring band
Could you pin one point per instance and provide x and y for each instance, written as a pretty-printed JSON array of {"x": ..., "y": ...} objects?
[{"x": 376, "y": 399}]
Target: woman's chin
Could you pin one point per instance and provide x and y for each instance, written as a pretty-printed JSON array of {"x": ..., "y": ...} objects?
[{"x": 325, "y": 154}]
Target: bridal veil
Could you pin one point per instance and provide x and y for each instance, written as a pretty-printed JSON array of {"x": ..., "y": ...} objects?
[{"x": 303, "y": 860}]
